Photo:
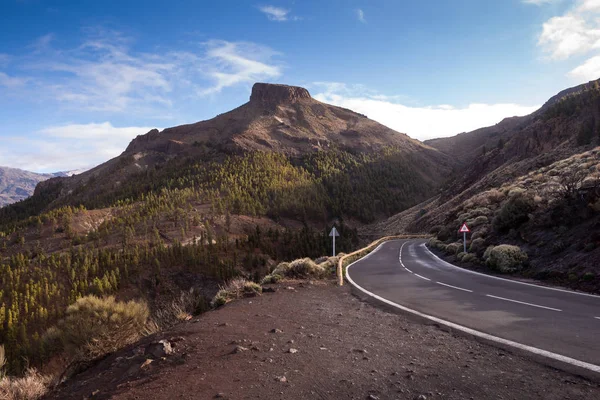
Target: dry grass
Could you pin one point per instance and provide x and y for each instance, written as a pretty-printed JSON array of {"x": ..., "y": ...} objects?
[
  {"x": 31, "y": 386},
  {"x": 96, "y": 326},
  {"x": 235, "y": 289},
  {"x": 188, "y": 303}
]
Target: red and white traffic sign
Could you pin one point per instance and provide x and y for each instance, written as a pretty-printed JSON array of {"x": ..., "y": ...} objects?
[{"x": 464, "y": 228}]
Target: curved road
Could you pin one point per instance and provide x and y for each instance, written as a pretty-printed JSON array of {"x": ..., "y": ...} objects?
[{"x": 405, "y": 272}]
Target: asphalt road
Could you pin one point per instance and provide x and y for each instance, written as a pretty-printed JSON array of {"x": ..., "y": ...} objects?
[{"x": 560, "y": 321}]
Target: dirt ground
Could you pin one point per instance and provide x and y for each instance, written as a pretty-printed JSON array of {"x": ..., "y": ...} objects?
[{"x": 318, "y": 341}]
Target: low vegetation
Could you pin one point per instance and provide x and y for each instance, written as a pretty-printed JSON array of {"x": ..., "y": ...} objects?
[
  {"x": 236, "y": 289},
  {"x": 528, "y": 224},
  {"x": 95, "y": 326}
]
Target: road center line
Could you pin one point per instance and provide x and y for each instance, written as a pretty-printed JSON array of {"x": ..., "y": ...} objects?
[
  {"x": 522, "y": 302},
  {"x": 422, "y": 277},
  {"x": 454, "y": 287}
]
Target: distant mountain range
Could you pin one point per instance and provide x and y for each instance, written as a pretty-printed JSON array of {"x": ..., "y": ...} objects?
[{"x": 17, "y": 184}]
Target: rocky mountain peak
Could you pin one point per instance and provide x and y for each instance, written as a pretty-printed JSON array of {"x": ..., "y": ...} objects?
[{"x": 269, "y": 94}]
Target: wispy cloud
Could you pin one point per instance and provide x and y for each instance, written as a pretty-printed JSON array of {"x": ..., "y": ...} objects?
[
  {"x": 418, "y": 122},
  {"x": 275, "y": 13},
  {"x": 105, "y": 74},
  {"x": 360, "y": 14},
  {"x": 239, "y": 62},
  {"x": 11, "y": 81},
  {"x": 67, "y": 147},
  {"x": 576, "y": 32}
]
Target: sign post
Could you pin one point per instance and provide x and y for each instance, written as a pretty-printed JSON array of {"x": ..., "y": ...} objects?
[
  {"x": 464, "y": 229},
  {"x": 333, "y": 234}
]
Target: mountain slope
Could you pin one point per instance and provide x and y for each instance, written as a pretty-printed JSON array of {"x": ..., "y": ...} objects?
[
  {"x": 325, "y": 144},
  {"x": 536, "y": 186},
  {"x": 193, "y": 206},
  {"x": 17, "y": 184}
]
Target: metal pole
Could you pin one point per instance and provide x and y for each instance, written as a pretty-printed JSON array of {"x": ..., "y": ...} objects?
[
  {"x": 465, "y": 241},
  {"x": 333, "y": 245}
]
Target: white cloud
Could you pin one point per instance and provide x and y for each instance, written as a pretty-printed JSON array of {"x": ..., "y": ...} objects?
[
  {"x": 104, "y": 74},
  {"x": 275, "y": 13},
  {"x": 576, "y": 32},
  {"x": 570, "y": 34},
  {"x": 588, "y": 71},
  {"x": 420, "y": 122},
  {"x": 236, "y": 63},
  {"x": 360, "y": 14},
  {"x": 11, "y": 81},
  {"x": 68, "y": 147}
]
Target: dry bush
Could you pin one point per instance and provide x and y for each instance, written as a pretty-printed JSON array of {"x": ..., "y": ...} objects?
[
  {"x": 454, "y": 248},
  {"x": 235, "y": 289},
  {"x": 2, "y": 360},
  {"x": 281, "y": 269},
  {"x": 95, "y": 326},
  {"x": 31, "y": 386},
  {"x": 506, "y": 258},
  {"x": 305, "y": 268},
  {"x": 189, "y": 303}
]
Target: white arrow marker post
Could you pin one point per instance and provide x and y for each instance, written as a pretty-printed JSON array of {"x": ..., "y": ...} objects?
[
  {"x": 333, "y": 234},
  {"x": 464, "y": 229}
]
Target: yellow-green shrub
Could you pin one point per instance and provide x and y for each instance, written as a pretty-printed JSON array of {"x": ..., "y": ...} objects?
[
  {"x": 95, "y": 326},
  {"x": 506, "y": 258}
]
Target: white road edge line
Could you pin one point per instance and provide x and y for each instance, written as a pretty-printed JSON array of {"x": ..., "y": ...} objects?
[
  {"x": 522, "y": 302},
  {"x": 422, "y": 277},
  {"x": 531, "y": 349},
  {"x": 508, "y": 280},
  {"x": 597, "y": 317},
  {"x": 454, "y": 287}
]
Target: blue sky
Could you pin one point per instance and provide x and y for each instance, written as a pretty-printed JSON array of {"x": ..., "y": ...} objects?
[{"x": 80, "y": 79}]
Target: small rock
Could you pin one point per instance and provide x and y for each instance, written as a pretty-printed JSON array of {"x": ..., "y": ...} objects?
[
  {"x": 420, "y": 397},
  {"x": 269, "y": 290},
  {"x": 372, "y": 397},
  {"x": 292, "y": 351},
  {"x": 239, "y": 349},
  {"x": 276, "y": 330},
  {"x": 146, "y": 363},
  {"x": 282, "y": 379},
  {"x": 177, "y": 339},
  {"x": 291, "y": 341},
  {"x": 95, "y": 392},
  {"x": 364, "y": 351},
  {"x": 220, "y": 396},
  {"x": 290, "y": 288},
  {"x": 159, "y": 349}
]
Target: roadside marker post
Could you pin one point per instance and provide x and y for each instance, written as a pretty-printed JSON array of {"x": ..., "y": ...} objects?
[
  {"x": 464, "y": 229},
  {"x": 333, "y": 234}
]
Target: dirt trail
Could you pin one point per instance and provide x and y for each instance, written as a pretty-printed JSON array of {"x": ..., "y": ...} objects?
[{"x": 346, "y": 349}]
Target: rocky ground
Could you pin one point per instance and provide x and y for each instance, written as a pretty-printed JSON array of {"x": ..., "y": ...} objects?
[{"x": 316, "y": 341}]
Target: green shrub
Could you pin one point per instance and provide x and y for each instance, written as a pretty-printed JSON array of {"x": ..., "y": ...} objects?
[
  {"x": 470, "y": 258},
  {"x": 514, "y": 212},
  {"x": 305, "y": 268},
  {"x": 481, "y": 220},
  {"x": 281, "y": 269},
  {"x": 506, "y": 258},
  {"x": 589, "y": 247},
  {"x": 460, "y": 255},
  {"x": 95, "y": 326},
  {"x": 273, "y": 278},
  {"x": 235, "y": 289},
  {"x": 488, "y": 251},
  {"x": 589, "y": 276},
  {"x": 454, "y": 248},
  {"x": 477, "y": 245}
]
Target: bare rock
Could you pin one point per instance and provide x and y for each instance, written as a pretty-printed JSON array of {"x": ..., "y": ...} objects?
[{"x": 159, "y": 349}]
